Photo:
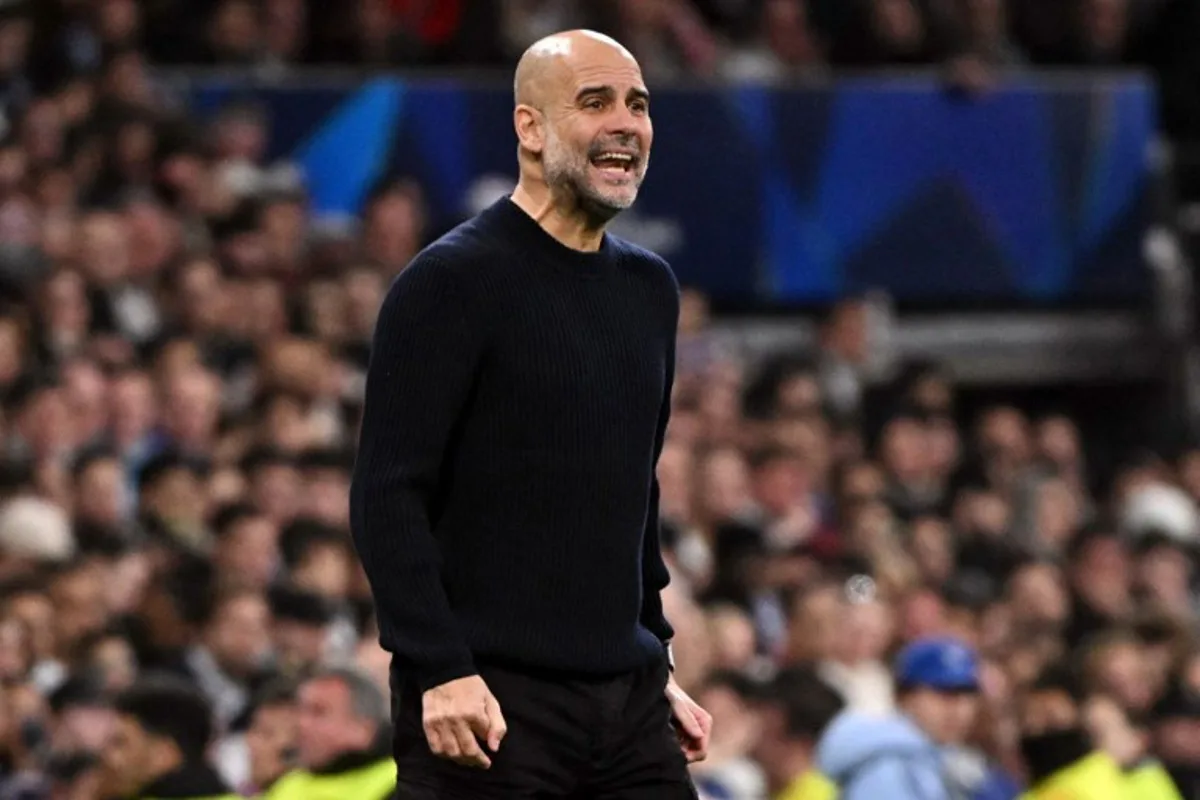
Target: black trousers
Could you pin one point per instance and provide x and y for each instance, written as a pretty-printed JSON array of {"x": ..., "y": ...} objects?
[{"x": 608, "y": 739}]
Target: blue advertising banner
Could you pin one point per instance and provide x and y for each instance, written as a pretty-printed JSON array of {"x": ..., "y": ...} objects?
[{"x": 1036, "y": 192}]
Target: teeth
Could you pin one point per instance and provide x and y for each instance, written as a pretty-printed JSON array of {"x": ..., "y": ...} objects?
[{"x": 615, "y": 157}]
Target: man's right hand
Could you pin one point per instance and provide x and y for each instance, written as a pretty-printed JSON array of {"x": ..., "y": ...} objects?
[{"x": 457, "y": 715}]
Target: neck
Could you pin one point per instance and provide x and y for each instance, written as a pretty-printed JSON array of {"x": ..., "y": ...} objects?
[
  {"x": 790, "y": 767},
  {"x": 566, "y": 221}
]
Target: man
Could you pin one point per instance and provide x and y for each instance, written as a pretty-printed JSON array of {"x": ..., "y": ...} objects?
[
  {"x": 914, "y": 755},
  {"x": 796, "y": 709},
  {"x": 341, "y": 741},
  {"x": 504, "y": 503},
  {"x": 157, "y": 752},
  {"x": 1061, "y": 761}
]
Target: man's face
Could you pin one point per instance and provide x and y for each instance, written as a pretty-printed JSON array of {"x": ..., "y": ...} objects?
[
  {"x": 947, "y": 717},
  {"x": 598, "y": 132},
  {"x": 271, "y": 739},
  {"x": 239, "y": 635},
  {"x": 327, "y": 726},
  {"x": 126, "y": 763}
]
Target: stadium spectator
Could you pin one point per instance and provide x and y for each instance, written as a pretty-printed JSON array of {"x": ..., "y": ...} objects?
[{"x": 342, "y": 742}]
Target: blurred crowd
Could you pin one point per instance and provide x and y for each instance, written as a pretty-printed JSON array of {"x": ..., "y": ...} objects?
[{"x": 182, "y": 352}]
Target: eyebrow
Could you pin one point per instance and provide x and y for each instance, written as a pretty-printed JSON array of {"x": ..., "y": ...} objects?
[{"x": 607, "y": 92}]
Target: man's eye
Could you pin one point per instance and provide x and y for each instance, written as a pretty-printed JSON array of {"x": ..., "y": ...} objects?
[{"x": 595, "y": 103}]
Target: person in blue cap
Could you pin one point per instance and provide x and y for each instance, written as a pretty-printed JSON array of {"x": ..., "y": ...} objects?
[{"x": 918, "y": 753}]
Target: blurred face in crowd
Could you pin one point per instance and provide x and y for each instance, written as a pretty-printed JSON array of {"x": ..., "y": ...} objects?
[
  {"x": 676, "y": 466},
  {"x": 12, "y": 350},
  {"x": 933, "y": 549},
  {"x": 364, "y": 289},
  {"x": 898, "y": 24},
  {"x": 16, "y": 656},
  {"x": 15, "y": 37},
  {"x": 733, "y": 638},
  {"x": 133, "y": 758},
  {"x": 202, "y": 296},
  {"x": 238, "y": 636},
  {"x": 132, "y": 411},
  {"x": 154, "y": 235},
  {"x": 864, "y": 632},
  {"x": 114, "y": 660},
  {"x": 284, "y": 226},
  {"x": 299, "y": 644},
  {"x": 44, "y": 423},
  {"x": 118, "y": 21},
  {"x": 100, "y": 492},
  {"x": 924, "y": 615},
  {"x": 1120, "y": 670},
  {"x": 235, "y": 30},
  {"x": 1057, "y": 513},
  {"x": 328, "y": 725},
  {"x": 1104, "y": 24},
  {"x": 78, "y": 597},
  {"x": 103, "y": 249},
  {"x": 275, "y": 490},
  {"x": 84, "y": 728},
  {"x": 271, "y": 740},
  {"x": 285, "y": 424},
  {"x": 779, "y": 485},
  {"x": 41, "y": 132},
  {"x": 905, "y": 450},
  {"x": 176, "y": 496},
  {"x": 946, "y": 717},
  {"x": 394, "y": 229},
  {"x": 248, "y": 550},
  {"x": 35, "y": 612},
  {"x": 941, "y": 436},
  {"x": 327, "y": 496},
  {"x": 735, "y": 723},
  {"x": 1102, "y": 575},
  {"x": 1038, "y": 597},
  {"x": 798, "y": 394},
  {"x": 192, "y": 408},
  {"x": 814, "y": 630},
  {"x": 1004, "y": 434},
  {"x": 324, "y": 570},
  {"x": 1164, "y": 575},
  {"x": 724, "y": 485},
  {"x": 86, "y": 391},
  {"x": 1058, "y": 442},
  {"x": 64, "y": 307}
]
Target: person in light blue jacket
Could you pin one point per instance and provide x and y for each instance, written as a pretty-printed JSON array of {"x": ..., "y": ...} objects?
[{"x": 917, "y": 754}]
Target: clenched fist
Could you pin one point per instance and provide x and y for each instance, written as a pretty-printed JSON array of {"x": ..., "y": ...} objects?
[{"x": 459, "y": 714}]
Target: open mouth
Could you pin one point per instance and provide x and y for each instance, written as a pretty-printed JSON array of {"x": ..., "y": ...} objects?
[{"x": 614, "y": 162}]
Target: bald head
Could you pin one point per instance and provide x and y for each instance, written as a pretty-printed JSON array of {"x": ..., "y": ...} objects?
[{"x": 550, "y": 64}]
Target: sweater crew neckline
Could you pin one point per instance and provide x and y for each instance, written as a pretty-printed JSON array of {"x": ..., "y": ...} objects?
[{"x": 526, "y": 231}]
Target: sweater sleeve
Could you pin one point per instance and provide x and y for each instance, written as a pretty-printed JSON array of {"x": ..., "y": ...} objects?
[
  {"x": 422, "y": 364},
  {"x": 655, "y": 576}
]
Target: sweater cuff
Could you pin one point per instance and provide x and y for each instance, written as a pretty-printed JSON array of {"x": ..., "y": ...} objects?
[{"x": 432, "y": 679}]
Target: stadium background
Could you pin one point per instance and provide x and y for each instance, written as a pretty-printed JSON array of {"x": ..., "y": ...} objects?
[{"x": 937, "y": 331}]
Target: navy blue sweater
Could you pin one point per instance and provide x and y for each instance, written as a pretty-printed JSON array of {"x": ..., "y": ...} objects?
[{"x": 504, "y": 502}]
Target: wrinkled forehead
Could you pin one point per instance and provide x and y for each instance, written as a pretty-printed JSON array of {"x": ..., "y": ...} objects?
[{"x": 596, "y": 67}]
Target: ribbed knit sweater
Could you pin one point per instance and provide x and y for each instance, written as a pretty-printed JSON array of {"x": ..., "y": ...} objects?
[{"x": 504, "y": 503}]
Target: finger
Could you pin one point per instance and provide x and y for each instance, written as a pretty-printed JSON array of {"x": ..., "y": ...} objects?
[
  {"x": 497, "y": 727},
  {"x": 450, "y": 748},
  {"x": 687, "y": 720},
  {"x": 468, "y": 746},
  {"x": 706, "y": 722},
  {"x": 434, "y": 737}
]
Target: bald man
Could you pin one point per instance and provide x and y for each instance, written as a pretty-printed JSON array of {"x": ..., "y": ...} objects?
[{"x": 504, "y": 500}]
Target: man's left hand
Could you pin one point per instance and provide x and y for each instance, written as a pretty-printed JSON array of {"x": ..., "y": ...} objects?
[{"x": 693, "y": 724}]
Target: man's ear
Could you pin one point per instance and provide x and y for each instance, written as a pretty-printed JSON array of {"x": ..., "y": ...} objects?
[{"x": 529, "y": 123}]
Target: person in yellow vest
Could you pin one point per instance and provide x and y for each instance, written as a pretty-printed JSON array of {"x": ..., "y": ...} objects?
[
  {"x": 796, "y": 708},
  {"x": 343, "y": 743},
  {"x": 158, "y": 749},
  {"x": 1061, "y": 761},
  {"x": 1112, "y": 729}
]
